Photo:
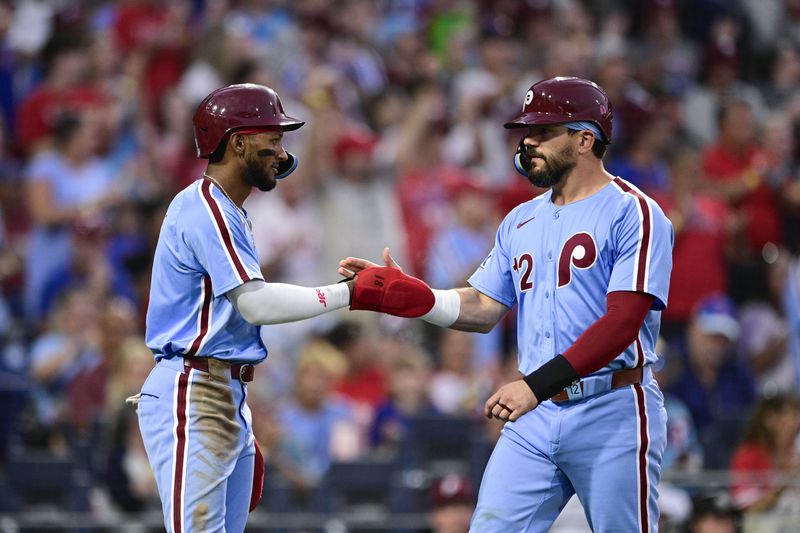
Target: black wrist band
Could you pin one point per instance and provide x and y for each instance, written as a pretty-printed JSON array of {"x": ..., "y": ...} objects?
[{"x": 549, "y": 379}]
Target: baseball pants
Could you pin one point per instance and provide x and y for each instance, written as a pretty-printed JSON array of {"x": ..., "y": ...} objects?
[
  {"x": 606, "y": 448},
  {"x": 197, "y": 432}
]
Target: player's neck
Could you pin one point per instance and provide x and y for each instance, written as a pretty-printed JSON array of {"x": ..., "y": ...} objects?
[
  {"x": 582, "y": 182},
  {"x": 232, "y": 186}
]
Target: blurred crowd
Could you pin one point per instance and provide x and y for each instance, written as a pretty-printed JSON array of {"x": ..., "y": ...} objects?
[{"x": 404, "y": 147}]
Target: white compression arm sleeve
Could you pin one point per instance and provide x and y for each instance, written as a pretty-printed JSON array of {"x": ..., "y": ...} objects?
[
  {"x": 264, "y": 303},
  {"x": 446, "y": 308}
]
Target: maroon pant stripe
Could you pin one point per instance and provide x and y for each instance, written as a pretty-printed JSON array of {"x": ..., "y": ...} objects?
[
  {"x": 645, "y": 444},
  {"x": 180, "y": 456}
]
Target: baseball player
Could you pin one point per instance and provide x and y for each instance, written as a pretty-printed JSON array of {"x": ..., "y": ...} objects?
[
  {"x": 207, "y": 301},
  {"x": 588, "y": 265}
]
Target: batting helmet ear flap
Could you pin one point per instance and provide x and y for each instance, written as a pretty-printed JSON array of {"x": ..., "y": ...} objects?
[
  {"x": 522, "y": 161},
  {"x": 286, "y": 167}
]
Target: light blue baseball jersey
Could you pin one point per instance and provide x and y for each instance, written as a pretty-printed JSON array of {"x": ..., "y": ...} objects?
[
  {"x": 559, "y": 263},
  {"x": 204, "y": 250}
]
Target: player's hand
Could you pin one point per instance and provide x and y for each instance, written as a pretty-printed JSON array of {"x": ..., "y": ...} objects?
[
  {"x": 389, "y": 290},
  {"x": 353, "y": 265},
  {"x": 511, "y": 401}
]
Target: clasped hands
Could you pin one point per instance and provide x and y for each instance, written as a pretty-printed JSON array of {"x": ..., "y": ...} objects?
[{"x": 395, "y": 293}]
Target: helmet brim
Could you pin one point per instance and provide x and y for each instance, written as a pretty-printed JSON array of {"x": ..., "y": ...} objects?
[
  {"x": 291, "y": 124},
  {"x": 523, "y": 120}
]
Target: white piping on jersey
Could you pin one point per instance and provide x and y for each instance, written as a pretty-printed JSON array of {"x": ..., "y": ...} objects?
[
  {"x": 203, "y": 333},
  {"x": 636, "y": 199}
]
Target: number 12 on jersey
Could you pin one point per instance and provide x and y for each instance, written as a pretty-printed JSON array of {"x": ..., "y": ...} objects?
[{"x": 524, "y": 263}]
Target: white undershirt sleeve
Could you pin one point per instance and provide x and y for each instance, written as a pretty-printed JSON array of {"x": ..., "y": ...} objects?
[{"x": 264, "y": 303}]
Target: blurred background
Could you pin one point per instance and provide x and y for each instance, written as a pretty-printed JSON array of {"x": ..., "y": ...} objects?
[{"x": 374, "y": 423}]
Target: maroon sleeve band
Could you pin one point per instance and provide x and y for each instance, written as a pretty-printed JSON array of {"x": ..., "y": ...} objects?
[{"x": 611, "y": 333}]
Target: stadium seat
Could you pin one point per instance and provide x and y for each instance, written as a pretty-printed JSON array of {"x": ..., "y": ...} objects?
[
  {"x": 436, "y": 442},
  {"x": 361, "y": 487},
  {"x": 39, "y": 479}
]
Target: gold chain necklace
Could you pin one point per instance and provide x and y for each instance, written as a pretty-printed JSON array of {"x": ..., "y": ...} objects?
[{"x": 241, "y": 211}]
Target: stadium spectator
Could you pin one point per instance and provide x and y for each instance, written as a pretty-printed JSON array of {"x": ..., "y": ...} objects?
[
  {"x": 644, "y": 164},
  {"x": 90, "y": 265},
  {"x": 736, "y": 169},
  {"x": 91, "y": 390},
  {"x": 459, "y": 247},
  {"x": 66, "y": 89},
  {"x": 713, "y": 512},
  {"x": 130, "y": 482},
  {"x": 62, "y": 184},
  {"x": 363, "y": 380},
  {"x": 451, "y": 503},
  {"x": 58, "y": 355},
  {"x": 702, "y": 225},
  {"x": 765, "y": 346},
  {"x": 766, "y": 462},
  {"x": 713, "y": 385},
  {"x": 456, "y": 388},
  {"x": 314, "y": 426},
  {"x": 408, "y": 397},
  {"x": 355, "y": 194}
]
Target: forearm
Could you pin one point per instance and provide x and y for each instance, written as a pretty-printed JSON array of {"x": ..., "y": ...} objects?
[
  {"x": 475, "y": 311},
  {"x": 604, "y": 340},
  {"x": 611, "y": 334},
  {"x": 47, "y": 371},
  {"x": 276, "y": 303}
]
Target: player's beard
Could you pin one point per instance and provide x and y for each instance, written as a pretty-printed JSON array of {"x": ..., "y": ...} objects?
[
  {"x": 555, "y": 168},
  {"x": 257, "y": 176}
]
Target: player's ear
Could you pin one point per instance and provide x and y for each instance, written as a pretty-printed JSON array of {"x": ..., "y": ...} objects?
[
  {"x": 586, "y": 142},
  {"x": 237, "y": 142}
]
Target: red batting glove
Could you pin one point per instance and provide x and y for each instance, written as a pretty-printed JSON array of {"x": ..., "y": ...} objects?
[
  {"x": 258, "y": 479},
  {"x": 388, "y": 290}
]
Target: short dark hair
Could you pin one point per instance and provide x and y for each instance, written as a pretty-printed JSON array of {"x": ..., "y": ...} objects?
[
  {"x": 344, "y": 333},
  {"x": 725, "y": 106},
  {"x": 65, "y": 126},
  {"x": 217, "y": 155}
]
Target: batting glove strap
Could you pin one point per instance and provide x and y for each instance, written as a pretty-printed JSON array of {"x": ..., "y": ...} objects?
[
  {"x": 446, "y": 308},
  {"x": 551, "y": 378},
  {"x": 389, "y": 290}
]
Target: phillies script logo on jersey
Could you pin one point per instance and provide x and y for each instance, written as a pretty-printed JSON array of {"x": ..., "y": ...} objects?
[{"x": 579, "y": 251}]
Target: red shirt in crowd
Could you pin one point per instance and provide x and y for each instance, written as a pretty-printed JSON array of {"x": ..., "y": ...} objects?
[
  {"x": 698, "y": 256},
  {"x": 759, "y": 207},
  {"x": 149, "y": 28},
  {"x": 751, "y": 474},
  {"x": 424, "y": 205},
  {"x": 366, "y": 386},
  {"x": 39, "y": 112}
]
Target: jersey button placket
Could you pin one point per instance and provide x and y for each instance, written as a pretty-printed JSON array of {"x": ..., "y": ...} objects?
[{"x": 549, "y": 284}]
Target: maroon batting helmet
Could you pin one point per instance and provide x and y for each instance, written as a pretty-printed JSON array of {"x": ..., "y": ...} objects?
[
  {"x": 245, "y": 105},
  {"x": 560, "y": 100}
]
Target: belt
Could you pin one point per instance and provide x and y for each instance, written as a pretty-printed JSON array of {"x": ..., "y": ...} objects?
[
  {"x": 242, "y": 371},
  {"x": 620, "y": 378}
]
